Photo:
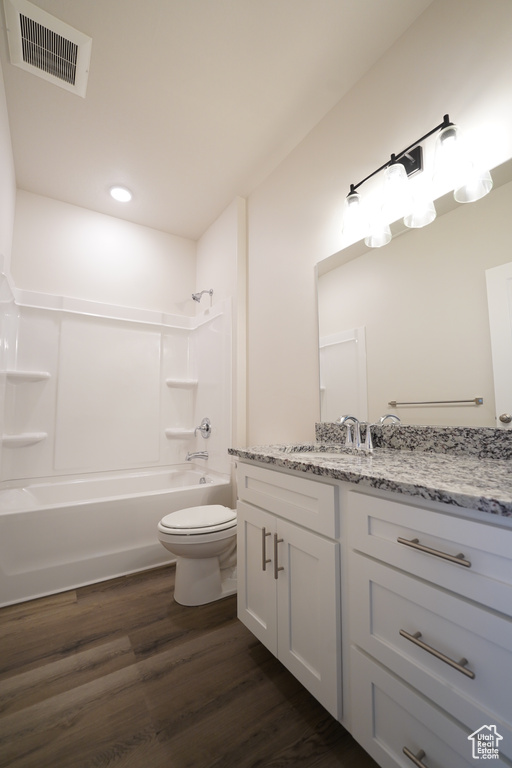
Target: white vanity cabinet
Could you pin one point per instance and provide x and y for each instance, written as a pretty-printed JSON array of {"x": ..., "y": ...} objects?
[
  {"x": 431, "y": 632},
  {"x": 289, "y": 574}
]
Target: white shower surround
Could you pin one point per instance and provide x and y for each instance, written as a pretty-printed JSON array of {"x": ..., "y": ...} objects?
[
  {"x": 121, "y": 392},
  {"x": 119, "y": 382}
]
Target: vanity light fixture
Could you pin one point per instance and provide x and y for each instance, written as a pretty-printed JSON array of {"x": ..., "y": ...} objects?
[
  {"x": 121, "y": 194},
  {"x": 451, "y": 164}
]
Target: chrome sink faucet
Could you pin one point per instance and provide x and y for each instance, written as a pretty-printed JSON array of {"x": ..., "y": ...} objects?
[
  {"x": 395, "y": 419},
  {"x": 368, "y": 444},
  {"x": 350, "y": 442}
]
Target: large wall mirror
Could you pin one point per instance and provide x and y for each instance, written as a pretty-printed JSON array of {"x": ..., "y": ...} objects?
[{"x": 409, "y": 323}]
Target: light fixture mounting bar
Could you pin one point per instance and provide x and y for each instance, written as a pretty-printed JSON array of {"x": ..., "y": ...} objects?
[{"x": 411, "y": 157}]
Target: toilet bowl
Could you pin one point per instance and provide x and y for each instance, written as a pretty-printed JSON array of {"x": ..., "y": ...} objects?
[{"x": 203, "y": 540}]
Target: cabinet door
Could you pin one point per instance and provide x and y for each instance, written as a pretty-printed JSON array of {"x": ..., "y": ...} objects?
[
  {"x": 398, "y": 727},
  {"x": 257, "y": 599},
  {"x": 308, "y": 598}
]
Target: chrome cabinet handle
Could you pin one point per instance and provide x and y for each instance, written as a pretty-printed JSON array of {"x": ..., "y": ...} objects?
[
  {"x": 460, "y": 666},
  {"x": 416, "y": 759},
  {"x": 277, "y": 567},
  {"x": 415, "y": 544},
  {"x": 264, "y": 558}
]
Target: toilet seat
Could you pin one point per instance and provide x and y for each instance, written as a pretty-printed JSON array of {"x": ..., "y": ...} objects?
[{"x": 197, "y": 520}]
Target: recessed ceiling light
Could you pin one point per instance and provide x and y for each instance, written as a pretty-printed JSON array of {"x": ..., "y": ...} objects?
[{"x": 121, "y": 194}]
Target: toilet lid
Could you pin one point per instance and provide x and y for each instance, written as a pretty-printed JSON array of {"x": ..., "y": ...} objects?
[{"x": 211, "y": 516}]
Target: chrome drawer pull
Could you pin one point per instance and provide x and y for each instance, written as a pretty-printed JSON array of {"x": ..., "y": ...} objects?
[
  {"x": 416, "y": 759},
  {"x": 460, "y": 666},
  {"x": 264, "y": 558},
  {"x": 415, "y": 544},
  {"x": 277, "y": 567}
]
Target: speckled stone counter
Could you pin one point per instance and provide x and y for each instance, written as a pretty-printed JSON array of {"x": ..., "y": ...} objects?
[
  {"x": 458, "y": 478},
  {"x": 480, "y": 442}
]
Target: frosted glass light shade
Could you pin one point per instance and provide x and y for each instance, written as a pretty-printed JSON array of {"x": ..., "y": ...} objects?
[
  {"x": 353, "y": 218},
  {"x": 379, "y": 233},
  {"x": 453, "y": 165},
  {"x": 450, "y": 163},
  {"x": 477, "y": 185},
  {"x": 397, "y": 194},
  {"x": 423, "y": 212}
]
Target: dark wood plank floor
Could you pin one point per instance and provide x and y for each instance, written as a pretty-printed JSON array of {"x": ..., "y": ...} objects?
[{"x": 118, "y": 674}]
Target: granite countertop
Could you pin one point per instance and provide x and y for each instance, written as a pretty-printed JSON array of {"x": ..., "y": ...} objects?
[{"x": 463, "y": 480}]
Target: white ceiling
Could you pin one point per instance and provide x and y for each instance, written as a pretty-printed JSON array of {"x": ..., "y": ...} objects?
[{"x": 189, "y": 102}]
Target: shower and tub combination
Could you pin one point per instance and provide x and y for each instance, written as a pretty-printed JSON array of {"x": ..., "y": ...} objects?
[
  {"x": 65, "y": 533},
  {"x": 99, "y": 408}
]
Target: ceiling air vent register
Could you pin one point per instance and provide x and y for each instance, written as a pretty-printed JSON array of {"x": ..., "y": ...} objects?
[
  {"x": 48, "y": 51},
  {"x": 47, "y": 47}
]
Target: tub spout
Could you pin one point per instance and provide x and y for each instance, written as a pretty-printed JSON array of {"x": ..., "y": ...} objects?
[{"x": 196, "y": 455}]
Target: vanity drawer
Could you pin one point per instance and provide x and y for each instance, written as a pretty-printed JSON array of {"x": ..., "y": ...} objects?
[
  {"x": 306, "y": 502},
  {"x": 427, "y": 543},
  {"x": 387, "y": 610},
  {"x": 388, "y": 716}
]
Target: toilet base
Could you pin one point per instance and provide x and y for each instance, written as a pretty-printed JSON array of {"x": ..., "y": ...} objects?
[{"x": 198, "y": 582}]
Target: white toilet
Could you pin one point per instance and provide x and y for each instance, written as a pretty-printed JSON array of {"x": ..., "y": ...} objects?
[{"x": 203, "y": 540}]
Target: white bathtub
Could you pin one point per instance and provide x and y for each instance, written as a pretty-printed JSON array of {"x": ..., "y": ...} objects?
[{"x": 66, "y": 533}]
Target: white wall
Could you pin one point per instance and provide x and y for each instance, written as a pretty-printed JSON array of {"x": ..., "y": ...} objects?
[
  {"x": 456, "y": 59},
  {"x": 7, "y": 182},
  {"x": 65, "y": 250},
  {"x": 218, "y": 254}
]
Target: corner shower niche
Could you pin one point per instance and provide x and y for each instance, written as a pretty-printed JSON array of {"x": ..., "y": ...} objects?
[
  {"x": 20, "y": 388},
  {"x": 90, "y": 388},
  {"x": 189, "y": 386},
  {"x": 15, "y": 436},
  {"x": 205, "y": 388}
]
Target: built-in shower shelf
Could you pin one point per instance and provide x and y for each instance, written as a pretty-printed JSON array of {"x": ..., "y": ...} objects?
[
  {"x": 23, "y": 439},
  {"x": 19, "y": 377},
  {"x": 179, "y": 434},
  {"x": 181, "y": 383}
]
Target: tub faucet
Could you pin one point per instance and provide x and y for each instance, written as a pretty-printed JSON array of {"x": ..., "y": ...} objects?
[
  {"x": 205, "y": 428},
  {"x": 356, "y": 442},
  {"x": 196, "y": 455}
]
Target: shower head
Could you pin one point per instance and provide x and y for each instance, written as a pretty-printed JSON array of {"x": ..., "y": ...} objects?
[{"x": 197, "y": 296}]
